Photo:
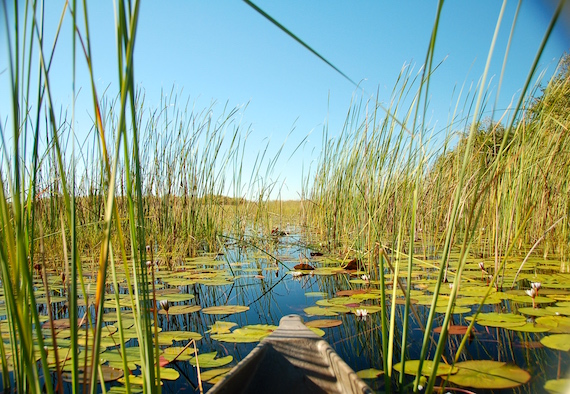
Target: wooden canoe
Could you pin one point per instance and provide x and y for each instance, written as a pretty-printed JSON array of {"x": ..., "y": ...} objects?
[{"x": 292, "y": 359}]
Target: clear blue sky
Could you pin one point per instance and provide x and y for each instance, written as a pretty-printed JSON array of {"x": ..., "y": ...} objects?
[{"x": 225, "y": 51}]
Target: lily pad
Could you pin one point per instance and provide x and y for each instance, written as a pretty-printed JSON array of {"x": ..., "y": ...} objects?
[
  {"x": 225, "y": 309},
  {"x": 319, "y": 311},
  {"x": 180, "y": 309},
  {"x": 315, "y": 294},
  {"x": 166, "y": 337},
  {"x": 504, "y": 320},
  {"x": 246, "y": 334},
  {"x": 209, "y": 360},
  {"x": 214, "y": 375},
  {"x": 221, "y": 327},
  {"x": 557, "y": 341},
  {"x": 488, "y": 374},
  {"x": 370, "y": 373},
  {"x": 557, "y": 386},
  {"x": 324, "y": 323},
  {"x": 178, "y": 353},
  {"x": 109, "y": 374},
  {"x": 411, "y": 368}
]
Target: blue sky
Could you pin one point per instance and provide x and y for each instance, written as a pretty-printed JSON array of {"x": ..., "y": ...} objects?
[{"x": 224, "y": 51}]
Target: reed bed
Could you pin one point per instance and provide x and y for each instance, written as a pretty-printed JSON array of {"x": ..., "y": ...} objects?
[{"x": 151, "y": 185}]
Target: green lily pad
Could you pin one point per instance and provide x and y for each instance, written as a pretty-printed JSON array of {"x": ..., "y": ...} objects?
[
  {"x": 557, "y": 341},
  {"x": 109, "y": 374},
  {"x": 504, "y": 320},
  {"x": 537, "y": 300},
  {"x": 180, "y": 310},
  {"x": 557, "y": 386},
  {"x": 316, "y": 294},
  {"x": 559, "y": 310},
  {"x": 530, "y": 327},
  {"x": 246, "y": 334},
  {"x": 411, "y": 368},
  {"x": 530, "y": 311},
  {"x": 370, "y": 373},
  {"x": 169, "y": 374},
  {"x": 488, "y": 374},
  {"x": 458, "y": 310},
  {"x": 558, "y": 324},
  {"x": 178, "y": 353},
  {"x": 319, "y": 311},
  {"x": 221, "y": 327},
  {"x": 179, "y": 297},
  {"x": 209, "y": 360},
  {"x": 166, "y": 337},
  {"x": 214, "y": 375},
  {"x": 225, "y": 309}
]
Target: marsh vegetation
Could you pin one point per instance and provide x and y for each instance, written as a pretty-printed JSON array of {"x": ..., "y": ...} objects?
[{"x": 151, "y": 256}]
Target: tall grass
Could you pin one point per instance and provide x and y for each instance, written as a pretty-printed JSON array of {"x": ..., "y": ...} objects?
[
  {"x": 383, "y": 187},
  {"x": 378, "y": 183}
]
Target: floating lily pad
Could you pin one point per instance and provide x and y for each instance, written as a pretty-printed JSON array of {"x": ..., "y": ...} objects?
[
  {"x": 530, "y": 327},
  {"x": 212, "y": 376},
  {"x": 557, "y": 386},
  {"x": 316, "y": 294},
  {"x": 456, "y": 310},
  {"x": 504, "y": 320},
  {"x": 178, "y": 353},
  {"x": 488, "y": 374},
  {"x": 558, "y": 324},
  {"x": 180, "y": 309},
  {"x": 530, "y": 311},
  {"x": 179, "y": 297},
  {"x": 246, "y": 334},
  {"x": 324, "y": 323},
  {"x": 209, "y": 360},
  {"x": 166, "y": 337},
  {"x": 452, "y": 330},
  {"x": 411, "y": 368},
  {"x": 169, "y": 374},
  {"x": 319, "y": 311},
  {"x": 557, "y": 341},
  {"x": 221, "y": 327},
  {"x": 225, "y": 309},
  {"x": 109, "y": 374},
  {"x": 559, "y": 310},
  {"x": 537, "y": 300},
  {"x": 370, "y": 373}
]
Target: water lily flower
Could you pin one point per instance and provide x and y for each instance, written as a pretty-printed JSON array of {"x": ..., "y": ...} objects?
[
  {"x": 365, "y": 277},
  {"x": 296, "y": 274},
  {"x": 483, "y": 271},
  {"x": 164, "y": 305},
  {"x": 361, "y": 313},
  {"x": 532, "y": 293},
  {"x": 536, "y": 286}
]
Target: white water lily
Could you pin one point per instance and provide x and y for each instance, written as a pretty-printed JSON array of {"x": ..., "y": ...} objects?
[
  {"x": 164, "y": 305},
  {"x": 361, "y": 313},
  {"x": 532, "y": 293},
  {"x": 536, "y": 286},
  {"x": 365, "y": 277}
]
